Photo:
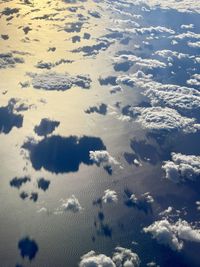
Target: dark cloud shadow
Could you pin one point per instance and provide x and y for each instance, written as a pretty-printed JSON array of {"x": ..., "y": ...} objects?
[
  {"x": 9, "y": 119},
  {"x": 46, "y": 127},
  {"x": 62, "y": 154},
  {"x": 43, "y": 184},
  {"x": 101, "y": 109},
  {"x": 19, "y": 181},
  {"x": 28, "y": 248}
]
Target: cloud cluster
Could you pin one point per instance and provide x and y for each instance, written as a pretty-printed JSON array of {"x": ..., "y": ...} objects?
[
  {"x": 158, "y": 119},
  {"x": 182, "y": 167},
  {"x": 8, "y": 60},
  {"x": 58, "y": 81},
  {"x": 122, "y": 257},
  {"x": 173, "y": 234},
  {"x": 125, "y": 61},
  {"x": 182, "y": 6}
]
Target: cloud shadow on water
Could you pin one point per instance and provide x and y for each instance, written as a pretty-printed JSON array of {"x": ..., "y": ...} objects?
[
  {"x": 28, "y": 248},
  {"x": 59, "y": 154},
  {"x": 9, "y": 119}
]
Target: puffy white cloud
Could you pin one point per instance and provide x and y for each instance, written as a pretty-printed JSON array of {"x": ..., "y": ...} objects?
[
  {"x": 156, "y": 119},
  {"x": 143, "y": 63},
  {"x": 194, "y": 44},
  {"x": 169, "y": 54},
  {"x": 92, "y": 259},
  {"x": 187, "y": 26},
  {"x": 58, "y": 81},
  {"x": 173, "y": 234},
  {"x": 101, "y": 157},
  {"x": 181, "y": 98},
  {"x": 122, "y": 257},
  {"x": 109, "y": 196},
  {"x": 71, "y": 204},
  {"x": 148, "y": 198},
  {"x": 154, "y": 30},
  {"x": 182, "y": 6},
  {"x": 182, "y": 167},
  {"x": 195, "y": 80},
  {"x": 187, "y": 35}
]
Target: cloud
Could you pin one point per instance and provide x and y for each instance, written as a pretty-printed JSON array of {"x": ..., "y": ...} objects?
[
  {"x": 158, "y": 119},
  {"x": 173, "y": 234},
  {"x": 8, "y": 60},
  {"x": 187, "y": 26},
  {"x": 123, "y": 62},
  {"x": 169, "y": 54},
  {"x": 194, "y": 81},
  {"x": 182, "y": 167},
  {"x": 58, "y": 81},
  {"x": 71, "y": 204},
  {"x": 182, "y": 6},
  {"x": 194, "y": 44},
  {"x": 122, "y": 257},
  {"x": 109, "y": 196},
  {"x": 102, "y": 156}
]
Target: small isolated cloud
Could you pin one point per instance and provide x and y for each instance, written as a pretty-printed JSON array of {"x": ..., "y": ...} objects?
[
  {"x": 182, "y": 167},
  {"x": 71, "y": 204},
  {"x": 122, "y": 257},
  {"x": 173, "y": 234},
  {"x": 101, "y": 157},
  {"x": 195, "y": 78},
  {"x": 58, "y": 81},
  {"x": 110, "y": 196}
]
